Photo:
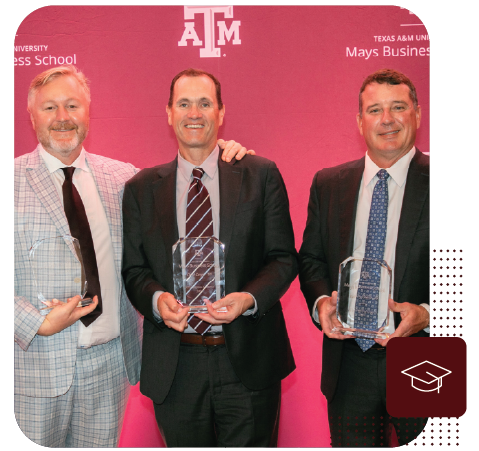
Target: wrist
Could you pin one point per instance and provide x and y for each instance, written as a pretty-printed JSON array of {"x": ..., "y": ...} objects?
[
  {"x": 426, "y": 307},
  {"x": 43, "y": 330},
  {"x": 317, "y": 306},
  {"x": 249, "y": 302}
]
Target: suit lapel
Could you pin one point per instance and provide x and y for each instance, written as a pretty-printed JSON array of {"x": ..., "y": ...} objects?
[
  {"x": 41, "y": 183},
  {"x": 415, "y": 194},
  {"x": 230, "y": 180},
  {"x": 164, "y": 193},
  {"x": 349, "y": 182}
]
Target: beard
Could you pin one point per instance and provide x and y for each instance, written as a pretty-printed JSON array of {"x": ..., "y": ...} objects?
[{"x": 63, "y": 147}]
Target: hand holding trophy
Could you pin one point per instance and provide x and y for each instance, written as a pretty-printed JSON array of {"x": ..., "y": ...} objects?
[
  {"x": 364, "y": 288},
  {"x": 198, "y": 272},
  {"x": 49, "y": 258}
]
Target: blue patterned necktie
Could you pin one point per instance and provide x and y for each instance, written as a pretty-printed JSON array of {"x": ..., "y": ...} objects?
[{"x": 365, "y": 312}]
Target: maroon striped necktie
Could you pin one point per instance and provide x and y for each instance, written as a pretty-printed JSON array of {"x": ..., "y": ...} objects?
[
  {"x": 199, "y": 222},
  {"x": 80, "y": 229}
]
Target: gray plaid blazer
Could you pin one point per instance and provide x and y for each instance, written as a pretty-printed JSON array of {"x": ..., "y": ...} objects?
[{"x": 44, "y": 366}]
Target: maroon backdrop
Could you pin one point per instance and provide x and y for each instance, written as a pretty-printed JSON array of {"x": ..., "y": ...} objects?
[{"x": 290, "y": 79}]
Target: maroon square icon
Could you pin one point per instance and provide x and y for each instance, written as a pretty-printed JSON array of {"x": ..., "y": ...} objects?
[{"x": 426, "y": 377}]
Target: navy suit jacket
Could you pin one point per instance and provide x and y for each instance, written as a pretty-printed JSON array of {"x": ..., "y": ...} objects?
[{"x": 329, "y": 238}]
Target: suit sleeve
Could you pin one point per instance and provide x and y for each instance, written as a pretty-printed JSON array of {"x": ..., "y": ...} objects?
[
  {"x": 140, "y": 284},
  {"x": 28, "y": 318},
  {"x": 280, "y": 256},
  {"x": 27, "y": 322},
  {"x": 313, "y": 266}
]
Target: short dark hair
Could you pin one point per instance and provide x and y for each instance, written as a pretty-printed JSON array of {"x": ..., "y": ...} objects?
[
  {"x": 391, "y": 77},
  {"x": 196, "y": 73}
]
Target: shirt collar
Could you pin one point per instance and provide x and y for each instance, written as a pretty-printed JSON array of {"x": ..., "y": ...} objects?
[
  {"x": 53, "y": 163},
  {"x": 210, "y": 165},
  {"x": 398, "y": 171}
]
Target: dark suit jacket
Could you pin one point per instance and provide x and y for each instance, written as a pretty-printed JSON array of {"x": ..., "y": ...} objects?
[
  {"x": 329, "y": 238},
  {"x": 260, "y": 258}
]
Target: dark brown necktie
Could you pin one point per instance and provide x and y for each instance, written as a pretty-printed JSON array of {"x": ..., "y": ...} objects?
[
  {"x": 199, "y": 222},
  {"x": 80, "y": 229}
]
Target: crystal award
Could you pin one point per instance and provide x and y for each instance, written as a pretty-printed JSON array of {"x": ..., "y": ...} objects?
[
  {"x": 198, "y": 272},
  {"x": 364, "y": 288},
  {"x": 58, "y": 271}
]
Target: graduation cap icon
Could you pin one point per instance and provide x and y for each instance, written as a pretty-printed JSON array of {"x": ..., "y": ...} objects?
[{"x": 426, "y": 376}]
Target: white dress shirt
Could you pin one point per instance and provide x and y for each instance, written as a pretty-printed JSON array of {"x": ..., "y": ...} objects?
[
  {"x": 107, "y": 326},
  {"x": 396, "y": 186},
  {"x": 210, "y": 180}
]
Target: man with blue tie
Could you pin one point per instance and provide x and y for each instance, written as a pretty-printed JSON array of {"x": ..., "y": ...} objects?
[
  {"x": 215, "y": 377},
  {"x": 376, "y": 207}
]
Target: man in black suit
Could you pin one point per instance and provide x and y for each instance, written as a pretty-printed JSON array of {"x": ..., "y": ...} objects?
[
  {"x": 221, "y": 387},
  {"x": 354, "y": 379}
]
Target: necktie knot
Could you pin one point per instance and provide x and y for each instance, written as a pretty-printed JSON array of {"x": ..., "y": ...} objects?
[
  {"x": 383, "y": 174},
  {"x": 68, "y": 171},
  {"x": 198, "y": 173}
]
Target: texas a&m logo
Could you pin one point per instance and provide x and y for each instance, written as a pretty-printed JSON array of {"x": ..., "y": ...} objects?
[{"x": 224, "y": 33}]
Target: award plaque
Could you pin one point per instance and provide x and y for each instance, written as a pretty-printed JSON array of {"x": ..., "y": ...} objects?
[
  {"x": 364, "y": 288},
  {"x": 198, "y": 272},
  {"x": 57, "y": 270}
]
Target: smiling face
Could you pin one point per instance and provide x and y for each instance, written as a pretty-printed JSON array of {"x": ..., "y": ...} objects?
[
  {"x": 388, "y": 122},
  {"x": 60, "y": 117},
  {"x": 195, "y": 116}
]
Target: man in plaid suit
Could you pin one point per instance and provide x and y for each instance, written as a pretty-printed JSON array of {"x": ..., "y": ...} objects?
[{"x": 71, "y": 381}]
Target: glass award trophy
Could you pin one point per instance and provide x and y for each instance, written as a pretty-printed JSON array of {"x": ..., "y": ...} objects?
[
  {"x": 198, "y": 272},
  {"x": 364, "y": 288},
  {"x": 58, "y": 271}
]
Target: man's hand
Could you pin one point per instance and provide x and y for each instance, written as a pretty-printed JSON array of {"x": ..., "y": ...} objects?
[
  {"x": 173, "y": 314},
  {"x": 235, "y": 303},
  {"x": 51, "y": 304},
  {"x": 327, "y": 316},
  {"x": 63, "y": 315},
  {"x": 413, "y": 319},
  {"x": 232, "y": 149}
]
